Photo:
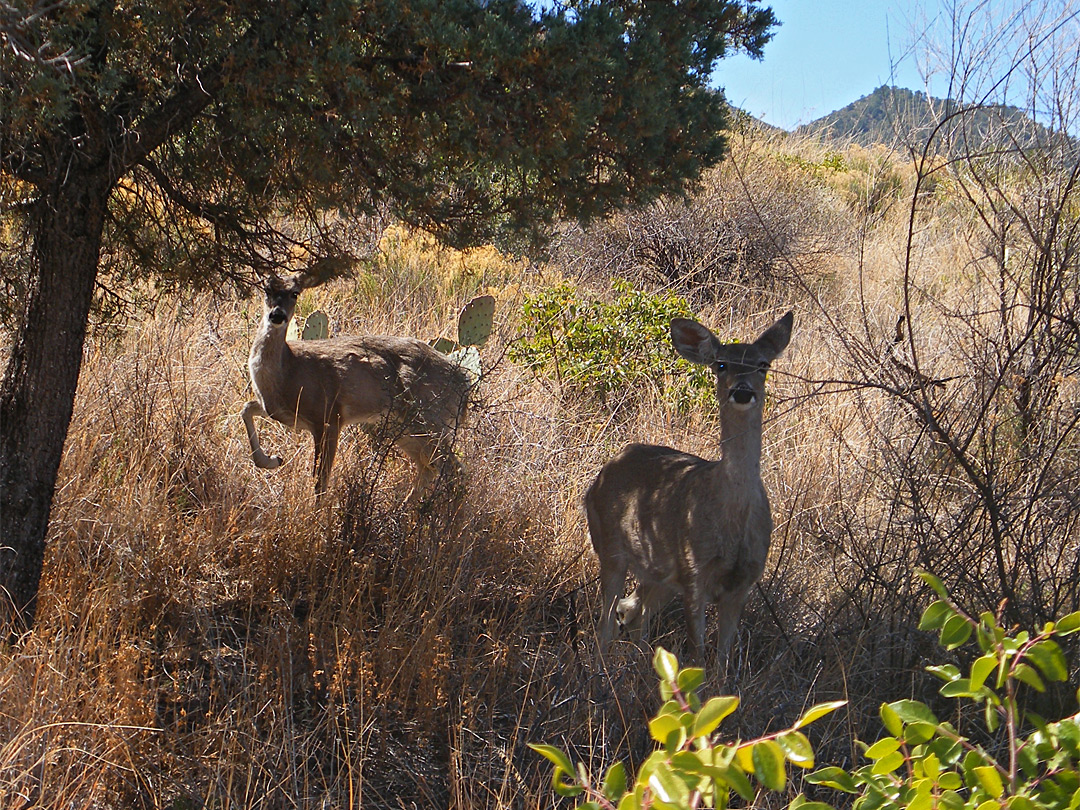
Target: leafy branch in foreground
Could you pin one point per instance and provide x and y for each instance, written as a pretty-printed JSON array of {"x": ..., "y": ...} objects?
[
  {"x": 926, "y": 764},
  {"x": 691, "y": 768}
]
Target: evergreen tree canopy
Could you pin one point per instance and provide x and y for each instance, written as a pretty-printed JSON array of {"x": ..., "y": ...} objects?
[
  {"x": 200, "y": 138},
  {"x": 472, "y": 119}
]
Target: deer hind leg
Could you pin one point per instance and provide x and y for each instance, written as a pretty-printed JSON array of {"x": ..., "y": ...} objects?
[
  {"x": 263, "y": 461},
  {"x": 326, "y": 442},
  {"x": 431, "y": 456}
]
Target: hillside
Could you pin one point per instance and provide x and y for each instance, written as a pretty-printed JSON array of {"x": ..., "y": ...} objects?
[{"x": 897, "y": 116}]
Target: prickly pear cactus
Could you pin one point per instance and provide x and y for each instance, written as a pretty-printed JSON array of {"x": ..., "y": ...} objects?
[
  {"x": 474, "y": 328},
  {"x": 444, "y": 345},
  {"x": 316, "y": 327},
  {"x": 468, "y": 357},
  {"x": 475, "y": 320}
]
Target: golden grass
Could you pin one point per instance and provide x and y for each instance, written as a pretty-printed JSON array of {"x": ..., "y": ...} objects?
[{"x": 210, "y": 637}]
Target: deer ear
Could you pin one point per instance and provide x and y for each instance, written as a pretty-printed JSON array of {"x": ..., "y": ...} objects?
[
  {"x": 693, "y": 341},
  {"x": 274, "y": 283},
  {"x": 775, "y": 339},
  {"x": 323, "y": 270}
]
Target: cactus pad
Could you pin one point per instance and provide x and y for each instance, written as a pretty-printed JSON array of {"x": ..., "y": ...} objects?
[
  {"x": 468, "y": 357},
  {"x": 444, "y": 345},
  {"x": 474, "y": 323},
  {"x": 316, "y": 327}
]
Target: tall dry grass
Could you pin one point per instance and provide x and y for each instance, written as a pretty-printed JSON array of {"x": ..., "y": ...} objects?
[{"x": 208, "y": 636}]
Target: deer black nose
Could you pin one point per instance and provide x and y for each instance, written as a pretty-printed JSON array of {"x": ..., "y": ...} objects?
[
  {"x": 277, "y": 315},
  {"x": 742, "y": 395}
]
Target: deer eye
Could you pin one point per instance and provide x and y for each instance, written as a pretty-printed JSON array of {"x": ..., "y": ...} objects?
[
  {"x": 719, "y": 367},
  {"x": 295, "y": 295}
]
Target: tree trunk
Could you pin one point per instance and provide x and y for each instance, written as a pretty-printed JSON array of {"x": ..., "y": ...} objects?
[{"x": 38, "y": 390}]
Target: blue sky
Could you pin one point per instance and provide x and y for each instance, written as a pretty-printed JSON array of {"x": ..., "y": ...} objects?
[{"x": 826, "y": 54}]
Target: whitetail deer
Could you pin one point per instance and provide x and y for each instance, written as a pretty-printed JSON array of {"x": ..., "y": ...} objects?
[
  {"x": 395, "y": 387},
  {"x": 684, "y": 525}
]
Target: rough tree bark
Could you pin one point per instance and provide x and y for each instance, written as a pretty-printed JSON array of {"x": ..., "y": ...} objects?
[{"x": 38, "y": 390}]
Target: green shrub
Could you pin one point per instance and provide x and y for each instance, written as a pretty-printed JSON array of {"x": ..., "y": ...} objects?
[
  {"x": 594, "y": 348},
  {"x": 690, "y": 768},
  {"x": 1022, "y": 762}
]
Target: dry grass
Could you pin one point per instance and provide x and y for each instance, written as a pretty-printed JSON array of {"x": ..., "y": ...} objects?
[{"x": 209, "y": 637}]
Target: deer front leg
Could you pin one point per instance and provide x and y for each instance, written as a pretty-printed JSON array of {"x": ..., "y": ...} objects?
[
  {"x": 263, "y": 461},
  {"x": 728, "y": 609},
  {"x": 694, "y": 608}
]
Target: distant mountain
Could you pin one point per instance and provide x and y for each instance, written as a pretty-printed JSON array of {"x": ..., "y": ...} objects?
[{"x": 895, "y": 116}]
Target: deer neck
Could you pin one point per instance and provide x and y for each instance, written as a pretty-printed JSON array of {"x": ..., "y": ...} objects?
[
  {"x": 740, "y": 435},
  {"x": 269, "y": 354}
]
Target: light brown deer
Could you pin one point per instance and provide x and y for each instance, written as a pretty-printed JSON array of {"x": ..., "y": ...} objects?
[
  {"x": 683, "y": 525},
  {"x": 397, "y": 387}
]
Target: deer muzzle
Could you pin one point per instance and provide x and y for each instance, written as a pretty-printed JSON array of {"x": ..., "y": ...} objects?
[{"x": 742, "y": 396}]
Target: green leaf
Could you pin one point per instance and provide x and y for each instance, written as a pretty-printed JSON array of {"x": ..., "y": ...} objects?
[
  {"x": 935, "y": 583},
  {"x": 912, "y": 711},
  {"x": 666, "y": 665},
  {"x": 950, "y": 780},
  {"x": 989, "y": 779},
  {"x": 661, "y": 726},
  {"x": 690, "y": 679},
  {"x": 1047, "y": 656},
  {"x": 1020, "y": 802},
  {"x": 957, "y": 688},
  {"x": 882, "y": 747},
  {"x": 712, "y": 714},
  {"x": 797, "y": 749},
  {"x": 935, "y": 615},
  {"x": 818, "y": 711},
  {"x": 981, "y": 669},
  {"x": 1067, "y": 625},
  {"x": 565, "y": 787},
  {"x": 630, "y": 801},
  {"x": 667, "y": 786},
  {"x": 888, "y": 763},
  {"x": 675, "y": 740},
  {"x": 922, "y": 798},
  {"x": 1028, "y": 675},
  {"x": 614, "y": 782},
  {"x": 915, "y": 733},
  {"x": 947, "y": 672},
  {"x": 891, "y": 720},
  {"x": 768, "y": 760},
  {"x": 833, "y": 777},
  {"x": 955, "y": 632},
  {"x": 734, "y": 778},
  {"x": 931, "y": 765},
  {"x": 560, "y": 760}
]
